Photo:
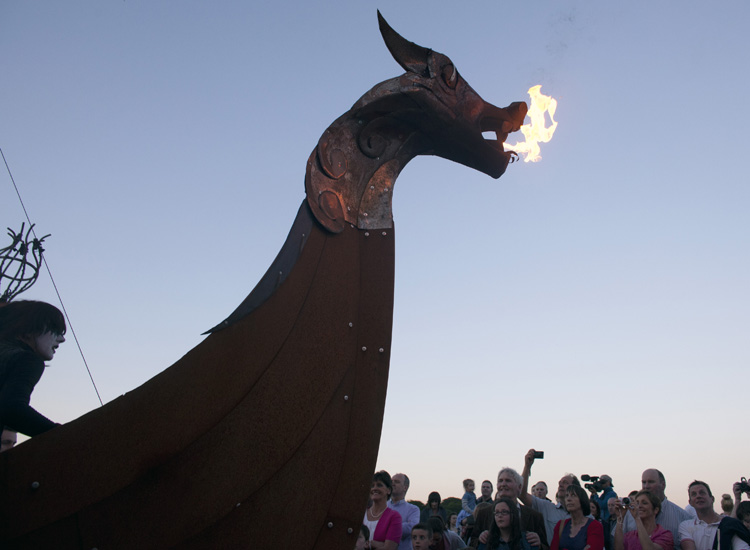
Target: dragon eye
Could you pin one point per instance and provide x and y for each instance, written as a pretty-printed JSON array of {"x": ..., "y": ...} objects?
[{"x": 450, "y": 75}]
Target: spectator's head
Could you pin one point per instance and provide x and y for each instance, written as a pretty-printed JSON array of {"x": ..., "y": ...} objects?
[
  {"x": 568, "y": 480},
  {"x": 632, "y": 494},
  {"x": 483, "y": 516},
  {"x": 727, "y": 504},
  {"x": 400, "y": 484},
  {"x": 652, "y": 480},
  {"x": 382, "y": 486},
  {"x": 421, "y": 536},
  {"x": 612, "y": 506},
  {"x": 509, "y": 483},
  {"x": 743, "y": 513},
  {"x": 437, "y": 525},
  {"x": 506, "y": 518},
  {"x": 39, "y": 325},
  {"x": 700, "y": 497},
  {"x": 577, "y": 499},
  {"x": 606, "y": 481},
  {"x": 486, "y": 488},
  {"x": 595, "y": 510},
  {"x": 433, "y": 500},
  {"x": 364, "y": 536},
  {"x": 468, "y": 485},
  {"x": 647, "y": 504},
  {"x": 452, "y": 521},
  {"x": 539, "y": 489},
  {"x": 8, "y": 440}
]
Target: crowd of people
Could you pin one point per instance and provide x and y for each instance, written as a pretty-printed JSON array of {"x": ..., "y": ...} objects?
[{"x": 588, "y": 517}]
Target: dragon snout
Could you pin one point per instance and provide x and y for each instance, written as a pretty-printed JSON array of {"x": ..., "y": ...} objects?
[{"x": 501, "y": 122}]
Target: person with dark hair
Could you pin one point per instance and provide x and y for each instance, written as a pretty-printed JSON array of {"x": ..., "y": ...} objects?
[
  {"x": 648, "y": 534},
  {"x": 383, "y": 523},
  {"x": 421, "y": 536},
  {"x": 505, "y": 531},
  {"x": 363, "y": 538},
  {"x": 30, "y": 333},
  {"x": 486, "y": 495},
  {"x": 699, "y": 533},
  {"x": 743, "y": 513},
  {"x": 433, "y": 508},
  {"x": 483, "y": 518},
  {"x": 551, "y": 512},
  {"x": 578, "y": 531}
]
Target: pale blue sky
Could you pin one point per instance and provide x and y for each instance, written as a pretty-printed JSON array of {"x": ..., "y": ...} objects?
[{"x": 594, "y": 305}]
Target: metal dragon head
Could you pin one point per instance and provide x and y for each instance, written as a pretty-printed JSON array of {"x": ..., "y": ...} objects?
[{"x": 429, "y": 110}]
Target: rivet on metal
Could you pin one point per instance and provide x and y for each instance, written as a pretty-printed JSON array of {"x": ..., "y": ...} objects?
[
  {"x": 381, "y": 350},
  {"x": 364, "y": 213},
  {"x": 35, "y": 485},
  {"x": 372, "y": 187},
  {"x": 351, "y": 325},
  {"x": 330, "y": 524},
  {"x": 238, "y": 505},
  {"x": 364, "y": 348},
  {"x": 384, "y": 233},
  {"x": 367, "y": 233},
  {"x": 350, "y": 530},
  {"x": 346, "y": 398}
]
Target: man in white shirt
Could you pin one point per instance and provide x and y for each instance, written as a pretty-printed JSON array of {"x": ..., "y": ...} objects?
[{"x": 701, "y": 533}]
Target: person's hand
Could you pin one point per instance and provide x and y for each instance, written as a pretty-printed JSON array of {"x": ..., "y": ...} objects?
[
  {"x": 529, "y": 458},
  {"x": 736, "y": 491},
  {"x": 533, "y": 539},
  {"x": 484, "y": 537}
]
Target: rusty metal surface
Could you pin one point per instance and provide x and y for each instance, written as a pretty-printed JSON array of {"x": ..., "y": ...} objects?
[
  {"x": 288, "y": 400},
  {"x": 275, "y": 418},
  {"x": 429, "y": 110}
]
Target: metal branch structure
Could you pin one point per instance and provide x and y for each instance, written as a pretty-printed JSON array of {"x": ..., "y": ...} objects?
[
  {"x": 275, "y": 418},
  {"x": 20, "y": 262}
]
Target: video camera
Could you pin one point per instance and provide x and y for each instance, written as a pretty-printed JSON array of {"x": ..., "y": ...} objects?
[{"x": 595, "y": 485}]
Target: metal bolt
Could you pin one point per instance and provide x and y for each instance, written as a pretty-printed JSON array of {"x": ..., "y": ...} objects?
[
  {"x": 350, "y": 530},
  {"x": 330, "y": 524},
  {"x": 351, "y": 325},
  {"x": 384, "y": 233},
  {"x": 35, "y": 485},
  {"x": 346, "y": 398},
  {"x": 372, "y": 187},
  {"x": 364, "y": 348},
  {"x": 381, "y": 350},
  {"x": 364, "y": 213},
  {"x": 367, "y": 233}
]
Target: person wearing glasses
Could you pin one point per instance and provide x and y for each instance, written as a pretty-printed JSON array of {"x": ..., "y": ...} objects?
[{"x": 505, "y": 531}]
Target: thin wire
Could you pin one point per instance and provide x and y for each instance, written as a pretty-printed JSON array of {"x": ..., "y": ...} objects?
[{"x": 65, "y": 312}]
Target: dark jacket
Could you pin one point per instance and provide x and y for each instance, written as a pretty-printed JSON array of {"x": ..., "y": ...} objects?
[{"x": 20, "y": 370}]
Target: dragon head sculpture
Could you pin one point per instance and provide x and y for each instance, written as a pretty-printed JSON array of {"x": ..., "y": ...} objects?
[{"x": 429, "y": 110}]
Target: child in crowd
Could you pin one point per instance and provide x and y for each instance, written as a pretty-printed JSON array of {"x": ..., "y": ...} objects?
[
  {"x": 469, "y": 500},
  {"x": 364, "y": 536},
  {"x": 421, "y": 536}
]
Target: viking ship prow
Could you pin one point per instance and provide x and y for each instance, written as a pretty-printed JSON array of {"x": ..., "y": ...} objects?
[{"x": 275, "y": 418}]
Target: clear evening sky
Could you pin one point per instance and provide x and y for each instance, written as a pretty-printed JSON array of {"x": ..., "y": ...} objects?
[{"x": 594, "y": 305}]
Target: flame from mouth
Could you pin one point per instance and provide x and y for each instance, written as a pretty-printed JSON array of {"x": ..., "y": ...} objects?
[{"x": 536, "y": 132}]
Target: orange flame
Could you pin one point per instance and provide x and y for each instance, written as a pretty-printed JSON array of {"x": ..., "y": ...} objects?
[{"x": 536, "y": 132}]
